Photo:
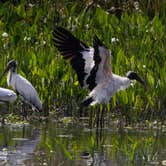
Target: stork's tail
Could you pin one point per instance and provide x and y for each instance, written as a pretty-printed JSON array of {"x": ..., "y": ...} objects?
[{"x": 87, "y": 101}]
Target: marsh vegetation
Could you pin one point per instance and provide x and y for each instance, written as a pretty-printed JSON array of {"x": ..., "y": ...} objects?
[
  {"x": 134, "y": 31},
  {"x": 26, "y": 35}
]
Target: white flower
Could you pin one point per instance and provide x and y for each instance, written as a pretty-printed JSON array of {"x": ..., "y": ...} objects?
[
  {"x": 136, "y": 5},
  {"x": 27, "y": 38},
  {"x": 114, "y": 40},
  {"x": 132, "y": 84},
  {"x": 44, "y": 42},
  {"x": 87, "y": 26},
  {"x": 31, "y": 5},
  {"x": 5, "y": 35},
  {"x": 144, "y": 66},
  {"x": 5, "y": 46}
]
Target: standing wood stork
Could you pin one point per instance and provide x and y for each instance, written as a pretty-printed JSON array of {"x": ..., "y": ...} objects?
[
  {"x": 92, "y": 65},
  {"x": 6, "y": 96},
  {"x": 22, "y": 87}
]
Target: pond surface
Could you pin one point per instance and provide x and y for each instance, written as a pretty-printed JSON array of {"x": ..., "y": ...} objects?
[{"x": 64, "y": 144}]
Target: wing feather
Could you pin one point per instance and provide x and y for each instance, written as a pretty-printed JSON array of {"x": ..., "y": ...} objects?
[
  {"x": 25, "y": 89},
  {"x": 92, "y": 79},
  {"x": 75, "y": 50},
  {"x": 86, "y": 61},
  {"x": 7, "y": 95}
]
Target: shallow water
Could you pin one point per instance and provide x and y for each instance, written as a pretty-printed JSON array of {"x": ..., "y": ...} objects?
[{"x": 57, "y": 144}]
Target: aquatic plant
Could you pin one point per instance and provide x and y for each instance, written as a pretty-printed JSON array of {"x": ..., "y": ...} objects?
[{"x": 26, "y": 35}]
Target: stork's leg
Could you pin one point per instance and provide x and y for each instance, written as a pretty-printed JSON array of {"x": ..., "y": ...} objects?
[
  {"x": 102, "y": 117},
  {"x": 97, "y": 118},
  {"x": 91, "y": 118},
  {"x": 120, "y": 121},
  {"x": 3, "y": 119},
  {"x": 99, "y": 130},
  {"x": 6, "y": 109},
  {"x": 24, "y": 110}
]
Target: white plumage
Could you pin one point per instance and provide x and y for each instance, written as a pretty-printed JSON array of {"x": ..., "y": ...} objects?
[
  {"x": 7, "y": 95},
  {"x": 89, "y": 62},
  {"x": 22, "y": 86},
  {"x": 92, "y": 65},
  {"x": 107, "y": 88}
]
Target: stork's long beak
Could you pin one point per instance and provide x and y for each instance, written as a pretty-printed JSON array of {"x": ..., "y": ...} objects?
[
  {"x": 4, "y": 72},
  {"x": 140, "y": 80}
]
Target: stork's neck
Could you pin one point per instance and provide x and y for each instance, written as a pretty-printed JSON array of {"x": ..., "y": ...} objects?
[
  {"x": 107, "y": 67},
  {"x": 9, "y": 76},
  {"x": 120, "y": 83}
]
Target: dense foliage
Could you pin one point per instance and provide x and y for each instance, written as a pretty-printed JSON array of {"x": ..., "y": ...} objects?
[{"x": 26, "y": 35}]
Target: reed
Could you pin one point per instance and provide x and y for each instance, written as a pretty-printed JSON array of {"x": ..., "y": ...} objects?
[{"x": 141, "y": 47}]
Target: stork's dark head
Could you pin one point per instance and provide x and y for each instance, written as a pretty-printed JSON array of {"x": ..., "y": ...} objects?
[
  {"x": 12, "y": 65},
  {"x": 134, "y": 76}
]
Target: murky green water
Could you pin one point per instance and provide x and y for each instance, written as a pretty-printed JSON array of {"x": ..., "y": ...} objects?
[{"x": 57, "y": 144}]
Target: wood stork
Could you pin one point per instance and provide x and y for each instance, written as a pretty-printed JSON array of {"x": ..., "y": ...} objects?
[
  {"x": 6, "y": 96},
  {"x": 22, "y": 87},
  {"x": 92, "y": 65}
]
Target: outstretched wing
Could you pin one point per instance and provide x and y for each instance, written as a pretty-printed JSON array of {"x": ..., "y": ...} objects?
[
  {"x": 79, "y": 54},
  {"x": 86, "y": 61},
  {"x": 101, "y": 67},
  {"x": 92, "y": 79},
  {"x": 99, "y": 73}
]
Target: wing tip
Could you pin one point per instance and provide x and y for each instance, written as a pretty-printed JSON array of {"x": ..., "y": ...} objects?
[{"x": 97, "y": 41}]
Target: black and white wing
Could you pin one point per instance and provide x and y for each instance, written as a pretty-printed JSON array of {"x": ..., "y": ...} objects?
[
  {"x": 79, "y": 54},
  {"x": 94, "y": 76},
  {"x": 86, "y": 61},
  {"x": 99, "y": 73}
]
